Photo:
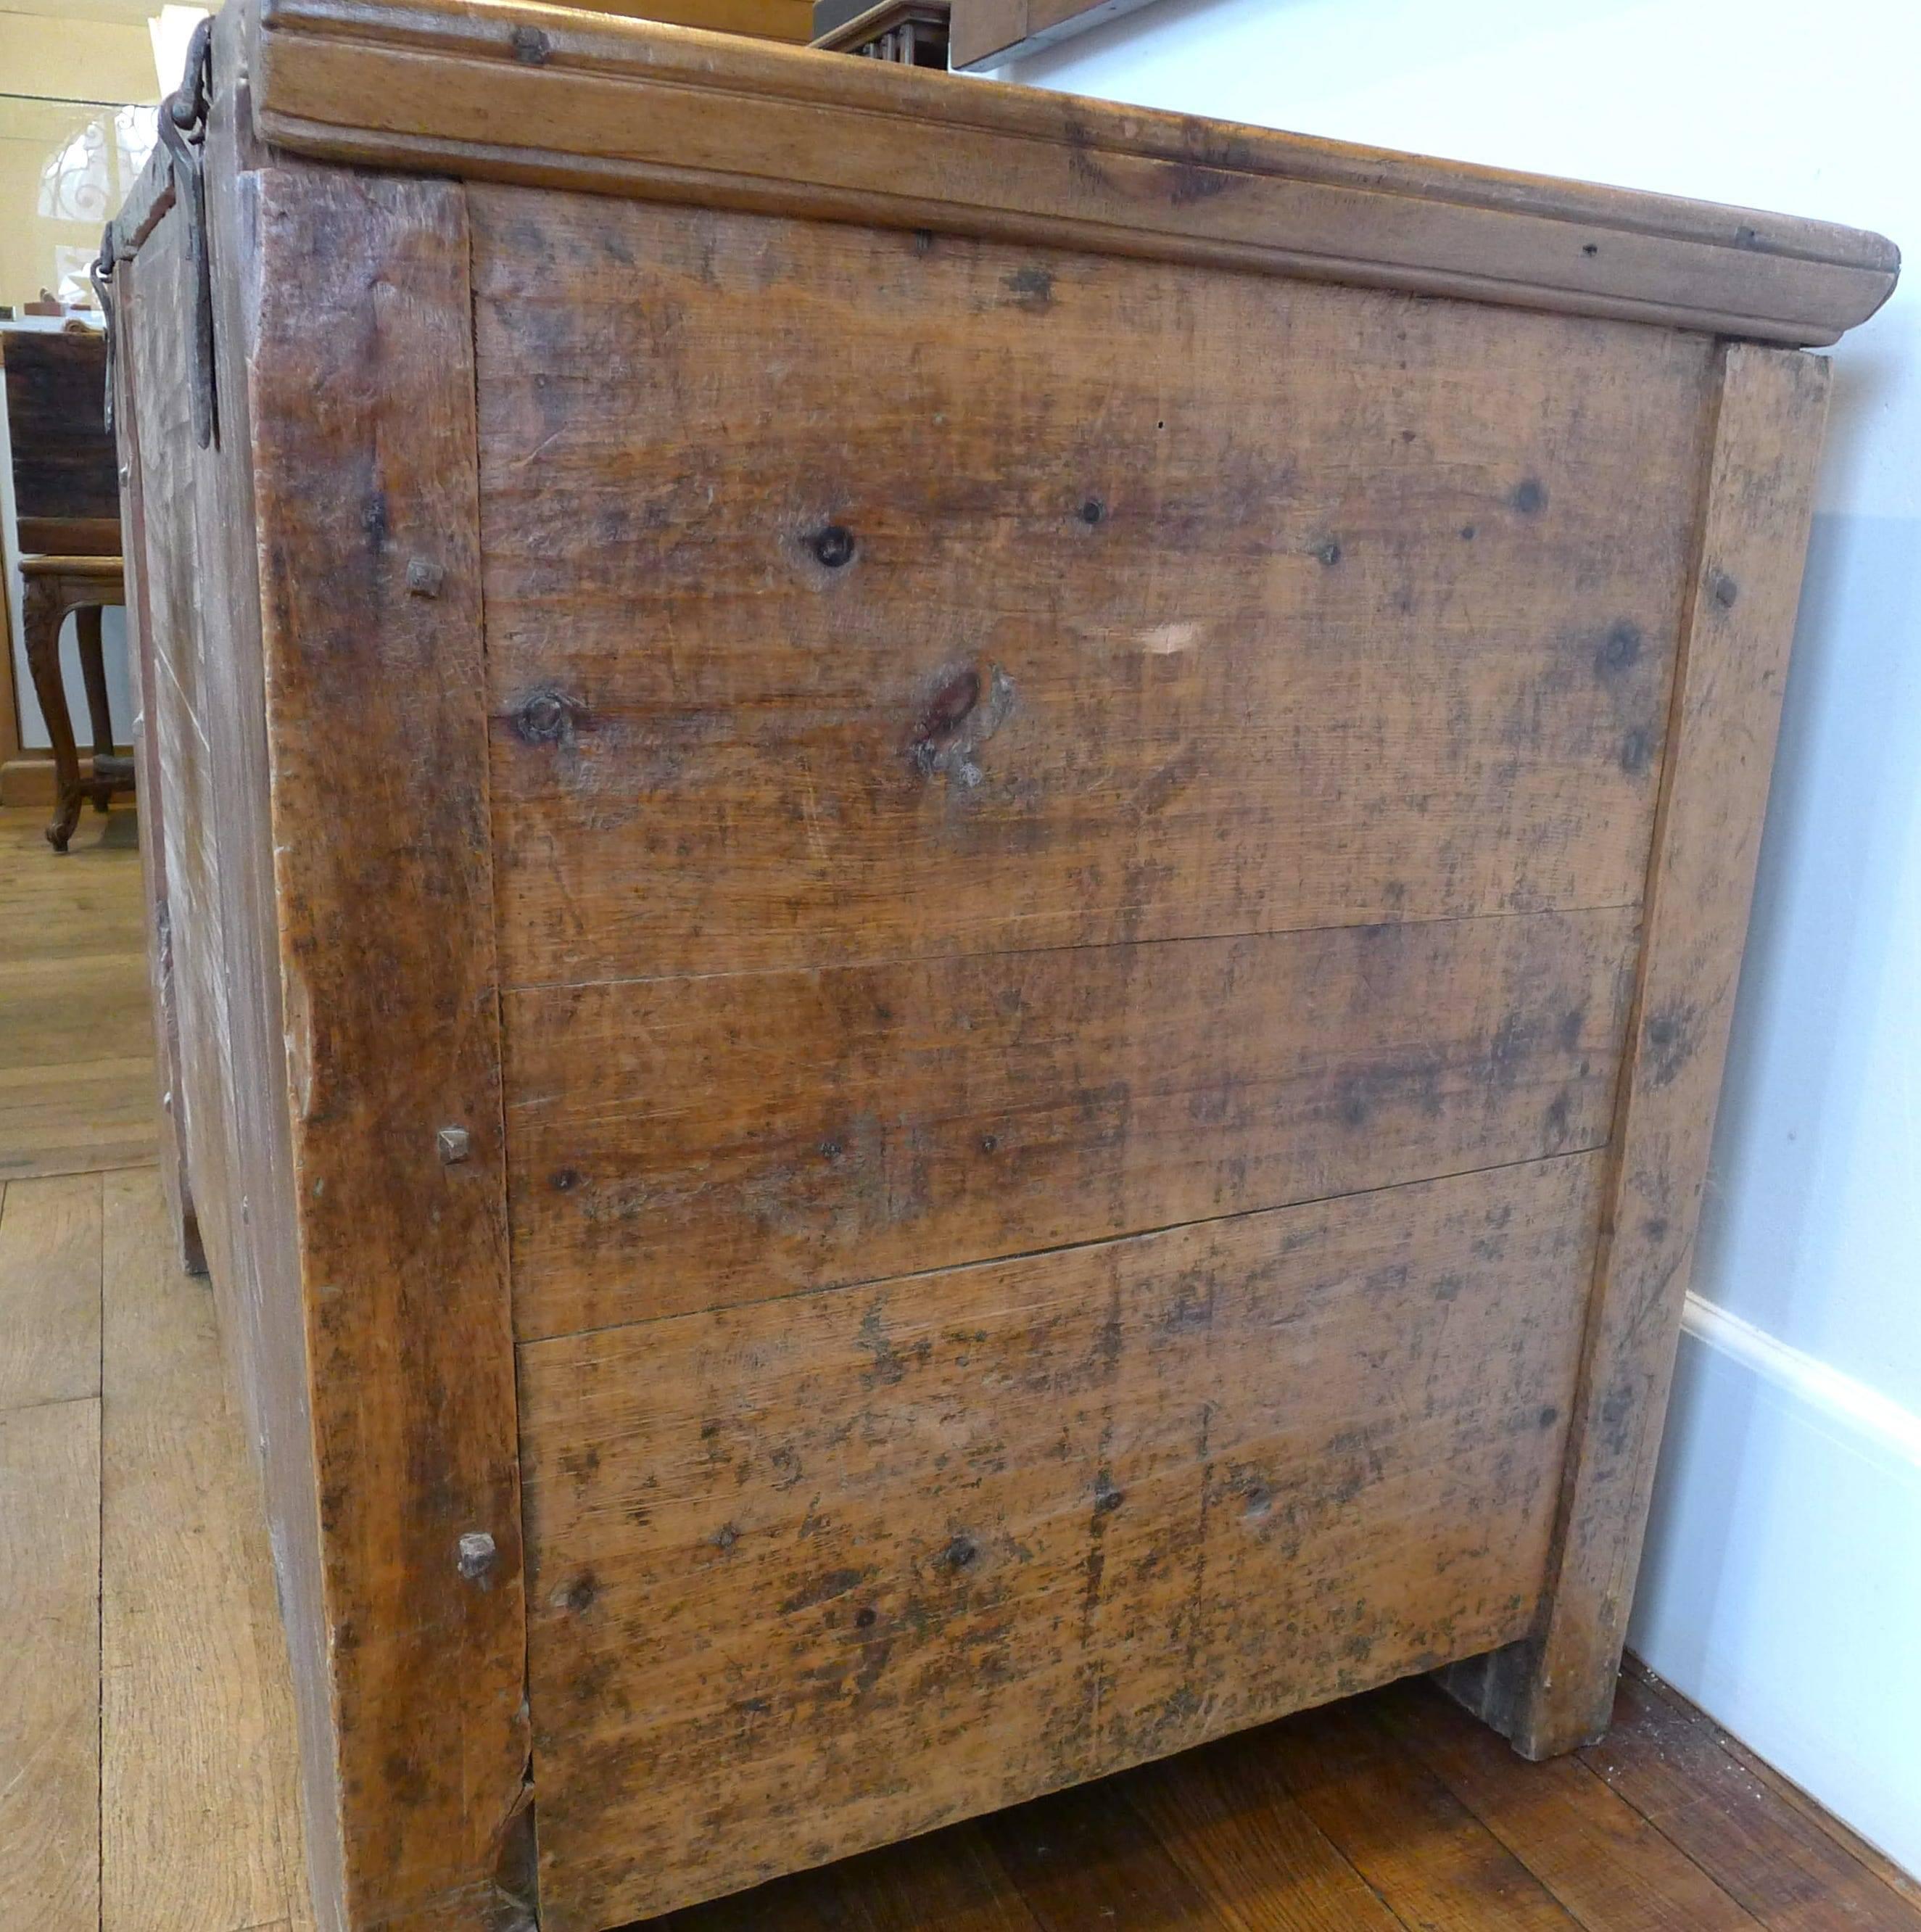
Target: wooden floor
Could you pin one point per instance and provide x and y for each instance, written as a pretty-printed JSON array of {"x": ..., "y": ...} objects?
[
  {"x": 146, "y": 1763},
  {"x": 76, "y": 1084}
]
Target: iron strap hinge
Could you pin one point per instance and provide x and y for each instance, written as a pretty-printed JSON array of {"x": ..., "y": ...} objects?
[{"x": 183, "y": 134}]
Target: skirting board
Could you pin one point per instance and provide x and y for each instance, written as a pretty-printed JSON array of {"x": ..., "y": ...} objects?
[{"x": 1781, "y": 1587}]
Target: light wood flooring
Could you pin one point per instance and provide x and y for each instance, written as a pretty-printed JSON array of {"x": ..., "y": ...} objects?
[
  {"x": 146, "y": 1754},
  {"x": 77, "y": 1082}
]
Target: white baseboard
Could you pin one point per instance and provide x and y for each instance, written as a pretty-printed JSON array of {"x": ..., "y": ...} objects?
[{"x": 1781, "y": 1588}]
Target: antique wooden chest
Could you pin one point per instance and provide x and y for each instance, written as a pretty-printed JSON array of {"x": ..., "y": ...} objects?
[{"x": 945, "y": 886}]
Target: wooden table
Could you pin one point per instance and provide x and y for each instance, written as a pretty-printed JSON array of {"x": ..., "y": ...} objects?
[{"x": 83, "y": 585}]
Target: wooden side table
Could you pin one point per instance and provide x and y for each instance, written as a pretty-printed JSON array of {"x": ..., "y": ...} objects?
[{"x": 84, "y": 585}]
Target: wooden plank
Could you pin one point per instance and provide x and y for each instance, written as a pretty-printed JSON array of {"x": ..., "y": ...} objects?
[
  {"x": 632, "y": 108},
  {"x": 1082, "y": 1858},
  {"x": 153, "y": 782},
  {"x": 950, "y": 1879},
  {"x": 50, "y": 1291},
  {"x": 78, "y": 1117},
  {"x": 1421, "y": 1850},
  {"x": 683, "y": 1144},
  {"x": 386, "y": 954},
  {"x": 1124, "y": 649},
  {"x": 206, "y": 705},
  {"x": 1786, "y": 1867},
  {"x": 1253, "y": 1852},
  {"x": 813, "y": 1574},
  {"x": 1588, "y": 1846},
  {"x": 198, "y": 1829},
  {"x": 49, "y": 1691},
  {"x": 1556, "y": 1691}
]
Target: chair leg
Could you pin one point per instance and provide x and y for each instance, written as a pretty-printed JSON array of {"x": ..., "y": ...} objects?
[
  {"x": 41, "y": 611},
  {"x": 93, "y": 669}
]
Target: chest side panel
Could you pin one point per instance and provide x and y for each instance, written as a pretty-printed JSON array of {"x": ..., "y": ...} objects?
[{"x": 1070, "y": 838}]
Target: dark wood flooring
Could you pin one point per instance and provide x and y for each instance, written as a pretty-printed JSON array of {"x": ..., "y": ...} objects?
[{"x": 1390, "y": 1811}]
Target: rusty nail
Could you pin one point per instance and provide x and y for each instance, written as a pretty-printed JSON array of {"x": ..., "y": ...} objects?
[
  {"x": 425, "y": 577},
  {"x": 453, "y": 1144},
  {"x": 834, "y": 546},
  {"x": 477, "y": 1554}
]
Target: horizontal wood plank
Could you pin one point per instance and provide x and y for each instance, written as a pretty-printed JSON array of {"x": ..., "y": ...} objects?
[
  {"x": 546, "y": 95},
  {"x": 1144, "y": 627},
  {"x": 681, "y": 1144},
  {"x": 809, "y": 1576}
]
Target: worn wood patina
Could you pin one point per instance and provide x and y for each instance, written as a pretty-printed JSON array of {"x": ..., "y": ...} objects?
[{"x": 902, "y": 1090}]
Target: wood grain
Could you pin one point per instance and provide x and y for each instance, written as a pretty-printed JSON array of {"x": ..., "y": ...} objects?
[
  {"x": 1781, "y": 1857},
  {"x": 542, "y": 95},
  {"x": 1262, "y": 1855},
  {"x": 62, "y": 456},
  {"x": 1417, "y": 1845},
  {"x": 1599, "y": 1857},
  {"x": 386, "y": 930},
  {"x": 683, "y": 1144},
  {"x": 50, "y": 1690},
  {"x": 50, "y": 1291},
  {"x": 1150, "y": 629},
  {"x": 198, "y": 1828},
  {"x": 205, "y": 705},
  {"x": 1556, "y": 1691},
  {"x": 143, "y": 669},
  {"x": 810, "y": 1575}
]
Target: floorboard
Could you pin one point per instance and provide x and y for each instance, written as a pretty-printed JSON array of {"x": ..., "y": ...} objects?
[
  {"x": 49, "y": 1290},
  {"x": 76, "y": 1084},
  {"x": 49, "y": 1685},
  {"x": 199, "y": 1828}
]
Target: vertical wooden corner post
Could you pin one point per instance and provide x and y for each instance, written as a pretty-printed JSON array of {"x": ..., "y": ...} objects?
[
  {"x": 358, "y": 371},
  {"x": 1554, "y": 1689}
]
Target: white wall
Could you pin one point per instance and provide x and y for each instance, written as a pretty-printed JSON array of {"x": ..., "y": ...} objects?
[{"x": 1783, "y": 1585}]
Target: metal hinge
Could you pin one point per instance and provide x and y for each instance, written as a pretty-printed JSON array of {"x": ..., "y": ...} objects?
[{"x": 183, "y": 134}]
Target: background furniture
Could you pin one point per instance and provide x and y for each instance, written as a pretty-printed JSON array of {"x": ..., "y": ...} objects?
[
  {"x": 66, "y": 497},
  {"x": 912, "y": 32},
  {"x": 994, "y": 1071}
]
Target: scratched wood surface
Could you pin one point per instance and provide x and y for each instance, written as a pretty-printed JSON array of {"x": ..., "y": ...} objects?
[
  {"x": 1158, "y": 601},
  {"x": 1555, "y": 1691},
  {"x": 370, "y": 597},
  {"x": 679, "y": 1144},
  {"x": 1005, "y": 989},
  {"x": 813, "y": 1574},
  {"x": 204, "y": 739}
]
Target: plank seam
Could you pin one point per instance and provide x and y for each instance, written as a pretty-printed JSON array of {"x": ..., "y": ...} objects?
[{"x": 1059, "y": 1247}]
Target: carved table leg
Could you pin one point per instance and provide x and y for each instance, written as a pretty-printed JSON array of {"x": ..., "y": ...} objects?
[
  {"x": 93, "y": 669},
  {"x": 41, "y": 611}
]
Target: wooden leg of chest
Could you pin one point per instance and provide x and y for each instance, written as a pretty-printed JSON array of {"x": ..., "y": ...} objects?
[{"x": 1554, "y": 1689}]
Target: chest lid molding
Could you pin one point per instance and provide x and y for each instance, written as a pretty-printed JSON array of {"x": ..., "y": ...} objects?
[{"x": 558, "y": 98}]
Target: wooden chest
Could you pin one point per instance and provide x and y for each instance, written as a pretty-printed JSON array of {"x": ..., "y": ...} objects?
[{"x": 946, "y": 889}]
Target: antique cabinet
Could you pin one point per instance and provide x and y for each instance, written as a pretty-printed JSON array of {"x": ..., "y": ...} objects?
[{"x": 946, "y": 889}]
